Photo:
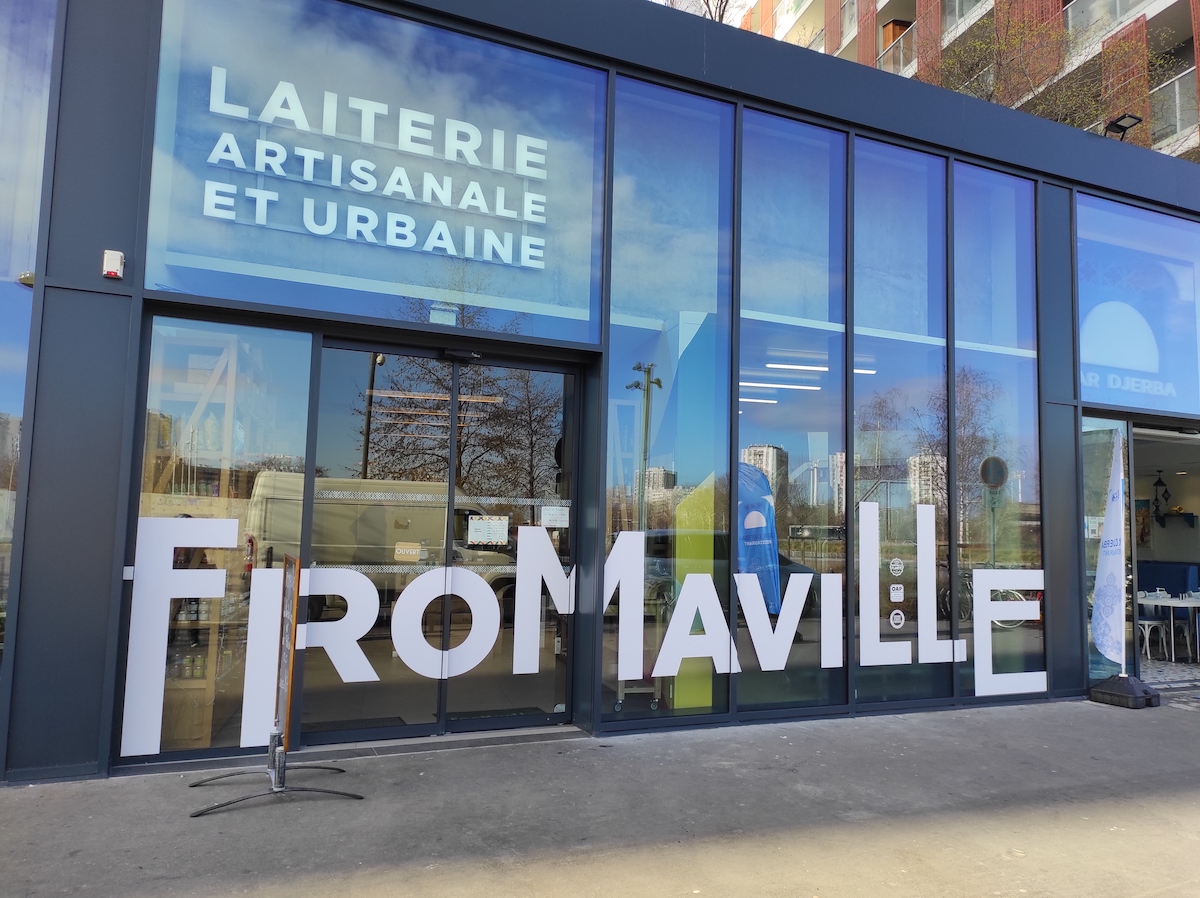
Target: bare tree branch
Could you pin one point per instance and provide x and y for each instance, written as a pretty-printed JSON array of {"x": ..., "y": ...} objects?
[{"x": 717, "y": 10}]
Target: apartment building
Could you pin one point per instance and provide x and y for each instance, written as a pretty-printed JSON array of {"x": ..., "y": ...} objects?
[{"x": 1085, "y": 63}]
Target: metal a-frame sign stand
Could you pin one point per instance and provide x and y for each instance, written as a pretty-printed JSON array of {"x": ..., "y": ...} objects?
[{"x": 277, "y": 748}]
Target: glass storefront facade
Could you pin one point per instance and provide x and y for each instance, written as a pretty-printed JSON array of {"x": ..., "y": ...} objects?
[
  {"x": 852, "y": 451},
  {"x": 589, "y": 396}
]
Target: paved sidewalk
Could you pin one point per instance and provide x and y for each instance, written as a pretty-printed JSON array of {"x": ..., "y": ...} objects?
[{"x": 1062, "y": 799}]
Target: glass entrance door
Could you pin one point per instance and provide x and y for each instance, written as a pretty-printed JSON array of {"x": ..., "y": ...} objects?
[
  {"x": 425, "y": 469},
  {"x": 1107, "y": 556}
]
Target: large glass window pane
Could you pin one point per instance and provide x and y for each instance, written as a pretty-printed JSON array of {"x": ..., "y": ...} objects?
[
  {"x": 995, "y": 407},
  {"x": 899, "y": 241},
  {"x": 226, "y": 416},
  {"x": 1139, "y": 340},
  {"x": 399, "y": 171},
  {"x": 380, "y": 504},
  {"x": 900, "y": 399},
  {"x": 26, "y": 42},
  {"x": 791, "y": 418},
  {"x": 668, "y": 406}
]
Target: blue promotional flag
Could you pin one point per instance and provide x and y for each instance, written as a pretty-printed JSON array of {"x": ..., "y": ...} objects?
[{"x": 757, "y": 542}]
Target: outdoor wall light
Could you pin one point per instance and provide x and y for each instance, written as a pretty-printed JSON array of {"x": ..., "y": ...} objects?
[
  {"x": 1122, "y": 123},
  {"x": 25, "y": 278}
]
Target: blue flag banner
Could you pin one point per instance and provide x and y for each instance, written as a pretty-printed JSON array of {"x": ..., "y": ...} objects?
[{"x": 758, "y": 543}]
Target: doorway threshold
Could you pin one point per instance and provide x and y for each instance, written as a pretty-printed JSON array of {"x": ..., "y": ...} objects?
[
  {"x": 344, "y": 751},
  {"x": 444, "y": 742}
]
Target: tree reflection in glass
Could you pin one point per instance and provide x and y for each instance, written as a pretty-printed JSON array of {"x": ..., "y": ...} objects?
[
  {"x": 995, "y": 405},
  {"x": 791, "y": 395},
  {"x": 900, "y": 438}
]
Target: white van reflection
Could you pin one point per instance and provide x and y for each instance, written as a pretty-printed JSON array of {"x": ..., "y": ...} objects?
[{"x": 390, "y": 530}]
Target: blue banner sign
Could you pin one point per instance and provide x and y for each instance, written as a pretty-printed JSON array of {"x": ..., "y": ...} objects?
[
  {"x": 1137, "y": 308},
  {"x": 327, "y": 156},
  {"x": 758, "y": 543}
]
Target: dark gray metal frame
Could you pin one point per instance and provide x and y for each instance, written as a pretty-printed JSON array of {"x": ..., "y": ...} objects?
[{"x": 60, "y": 680}]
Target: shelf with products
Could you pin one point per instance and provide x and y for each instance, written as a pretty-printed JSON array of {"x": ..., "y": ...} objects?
[{"x": 206, "y": 647}]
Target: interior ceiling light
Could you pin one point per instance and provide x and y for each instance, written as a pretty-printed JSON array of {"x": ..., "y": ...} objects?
[
  {"x": 763, "y": 401},
  {"x": 798, "y": 367},
  {"x": 865, "y": 371},
  {"x": 750, "y": 383}
]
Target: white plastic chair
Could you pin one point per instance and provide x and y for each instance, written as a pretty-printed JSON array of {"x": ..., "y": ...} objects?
[
  {"x": 1185, "y": 626},
  {"x": 1149, "y": 625}
]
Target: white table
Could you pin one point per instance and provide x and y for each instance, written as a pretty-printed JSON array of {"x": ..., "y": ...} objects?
[{"x": 1162, "y": 600}]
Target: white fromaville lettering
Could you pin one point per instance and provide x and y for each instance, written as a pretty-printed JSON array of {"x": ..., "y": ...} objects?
[
  {"x": 155, "y": 583},
  {"x": 539, "y": 568}
]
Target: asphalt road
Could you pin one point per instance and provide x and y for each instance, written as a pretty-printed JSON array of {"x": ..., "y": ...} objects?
[{"x": 1050, "y": 799}]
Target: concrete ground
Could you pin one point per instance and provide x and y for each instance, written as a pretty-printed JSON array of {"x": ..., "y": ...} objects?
[{"x": 1050, "y": 799}]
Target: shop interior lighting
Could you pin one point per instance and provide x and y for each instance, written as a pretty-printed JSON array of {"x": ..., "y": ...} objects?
[
  {"x": 865, "y": 371},
  {"x": 798, "y": 367},
  {"x": 430, "y": 397},
  {"x": 762, "y": 401},
  {"x": 1123, "y": 123},
  {"x": 749, "y": 383},
  {"x": 1159, "y": 501}
]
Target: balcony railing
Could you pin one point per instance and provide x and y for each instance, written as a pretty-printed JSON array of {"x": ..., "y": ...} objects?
[
  {"x": 849, "y": 18},
  {"x": 900, "y": 52},
  {"x": 954, "y": 11},
  {"x": 982, "y": 85},
  {"x": 1173, "y": 107},
  {"x": 782, "y": 8},
  {"x": 817, "y": 42},
  {"x": 1084, "y": 18},
  {"x": 786, "y": 7}
]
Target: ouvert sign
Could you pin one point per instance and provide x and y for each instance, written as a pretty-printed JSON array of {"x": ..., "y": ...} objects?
[{"x": 156, "y": 582}]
